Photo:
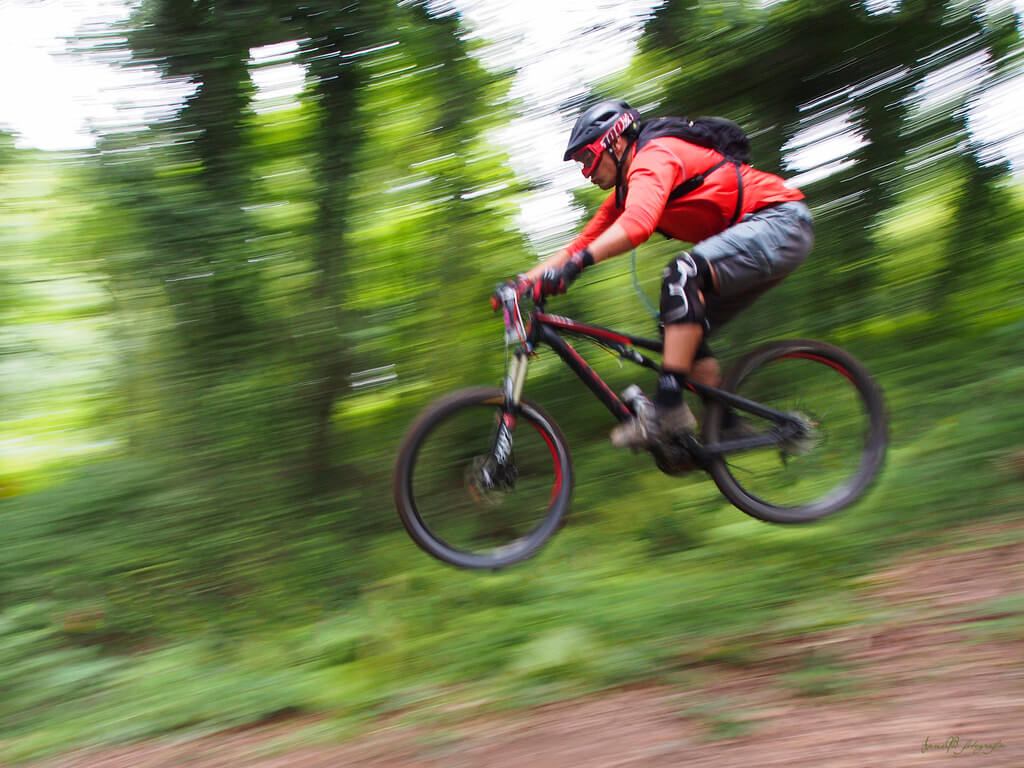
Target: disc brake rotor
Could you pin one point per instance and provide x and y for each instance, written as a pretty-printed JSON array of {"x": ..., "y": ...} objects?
[{"x": 487, "y": 483}]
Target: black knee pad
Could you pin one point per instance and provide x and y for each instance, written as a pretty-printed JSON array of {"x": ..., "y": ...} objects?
[{"x": 681, "y": 285}]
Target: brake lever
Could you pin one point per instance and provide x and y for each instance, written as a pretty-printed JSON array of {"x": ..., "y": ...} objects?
[{"x": 504, "y": 294}]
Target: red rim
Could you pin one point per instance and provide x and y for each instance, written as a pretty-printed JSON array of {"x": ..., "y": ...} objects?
[
  {"x": 820, "y": 359},
  {"x": 557, "y": 488}
]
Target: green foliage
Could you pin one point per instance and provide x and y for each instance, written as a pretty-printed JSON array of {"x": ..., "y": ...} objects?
[
  {"x": 209, "y": 355},
  {"x": 39, "y": 671}
]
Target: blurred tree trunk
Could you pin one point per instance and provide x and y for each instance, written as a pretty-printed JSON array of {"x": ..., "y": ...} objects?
[
  {"x": 207, "y": 42},
  {"x": 336, "y": 82}
]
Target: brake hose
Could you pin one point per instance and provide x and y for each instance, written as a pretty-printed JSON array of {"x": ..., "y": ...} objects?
[{"x": 636, "y": 284}]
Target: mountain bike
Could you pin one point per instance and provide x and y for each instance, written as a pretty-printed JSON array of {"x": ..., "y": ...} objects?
[{"x": 484, "y": 477}]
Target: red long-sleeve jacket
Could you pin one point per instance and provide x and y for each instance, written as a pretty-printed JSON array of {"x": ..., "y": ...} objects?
[{"x": 661, "y": 166}]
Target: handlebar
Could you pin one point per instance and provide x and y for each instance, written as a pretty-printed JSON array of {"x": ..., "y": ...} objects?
[
  {"x": 506, "y": 298},
  {"x": 510, "y": 290}
]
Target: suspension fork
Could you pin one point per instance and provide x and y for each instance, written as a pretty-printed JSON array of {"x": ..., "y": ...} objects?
[
  {"x": 512, "y": 389},
  {"x": 495, "y": 471}
]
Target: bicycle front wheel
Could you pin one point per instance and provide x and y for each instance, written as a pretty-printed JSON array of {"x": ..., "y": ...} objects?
[
  {"x": 454, "y": 503},
  {"x": 839, "y": 452}
]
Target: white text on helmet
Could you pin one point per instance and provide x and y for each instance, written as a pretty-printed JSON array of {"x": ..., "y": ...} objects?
[{"x": 625, "y": 120}]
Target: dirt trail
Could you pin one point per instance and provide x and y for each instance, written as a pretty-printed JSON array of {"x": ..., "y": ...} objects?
[{"x": 940, "y": 678}]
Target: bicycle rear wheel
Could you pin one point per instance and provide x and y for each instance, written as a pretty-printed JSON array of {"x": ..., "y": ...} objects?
[
  {"x": 838, "y": 455},
  {"x": 446, "y": 492}
]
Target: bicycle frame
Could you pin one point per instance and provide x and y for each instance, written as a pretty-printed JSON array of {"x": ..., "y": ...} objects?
[
  {"x": 547, "y": 329},
  {"x": 459, "y": 474}
]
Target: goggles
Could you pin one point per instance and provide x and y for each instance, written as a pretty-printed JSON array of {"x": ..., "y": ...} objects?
[{"x": 589, "y": 156}]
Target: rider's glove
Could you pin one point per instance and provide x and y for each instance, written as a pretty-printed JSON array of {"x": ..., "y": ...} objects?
[
  {"x": 558, "y": 279},
  {"x": 519, "y": 284}
]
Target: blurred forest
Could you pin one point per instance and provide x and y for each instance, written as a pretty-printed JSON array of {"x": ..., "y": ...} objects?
[{"x": 215, "y": 329}]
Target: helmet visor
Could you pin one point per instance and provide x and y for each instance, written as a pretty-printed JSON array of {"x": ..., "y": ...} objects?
[{"x": 588, "y": 157}]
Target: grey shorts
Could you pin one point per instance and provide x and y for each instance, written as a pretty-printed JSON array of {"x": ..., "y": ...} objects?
[{"x": 755, "y": 254}]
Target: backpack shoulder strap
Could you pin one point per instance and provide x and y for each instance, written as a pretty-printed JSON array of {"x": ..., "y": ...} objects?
[
  {"x": 739, "y": 195},
  {"x": 694, "y": 182}
]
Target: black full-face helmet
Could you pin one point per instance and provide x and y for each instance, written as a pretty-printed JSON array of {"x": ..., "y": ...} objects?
[{"x": 597, "y": 128}]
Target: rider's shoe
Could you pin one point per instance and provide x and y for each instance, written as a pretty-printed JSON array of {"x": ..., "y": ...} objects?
[{"x": 653, "y": 427}]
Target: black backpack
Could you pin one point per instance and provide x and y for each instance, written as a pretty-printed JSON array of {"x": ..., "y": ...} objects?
[{"x": 717, "y": 133}]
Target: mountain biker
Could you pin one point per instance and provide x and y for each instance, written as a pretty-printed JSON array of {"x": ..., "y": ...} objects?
[{"x": 749, "y": 228}]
